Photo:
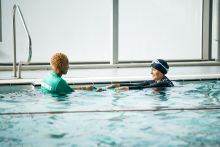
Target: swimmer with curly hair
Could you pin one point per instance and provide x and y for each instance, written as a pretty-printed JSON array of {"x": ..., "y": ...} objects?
[{"x": 53, "y": 82}]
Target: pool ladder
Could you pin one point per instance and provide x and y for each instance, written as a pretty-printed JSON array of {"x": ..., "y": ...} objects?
[{"x": 16, "y": 7}]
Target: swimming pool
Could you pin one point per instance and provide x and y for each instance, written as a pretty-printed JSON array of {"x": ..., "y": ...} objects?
[{"x": 150, "y": 117}]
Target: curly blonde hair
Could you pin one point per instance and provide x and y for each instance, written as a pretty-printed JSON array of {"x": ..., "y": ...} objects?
[{"x": 58, "y": 61}]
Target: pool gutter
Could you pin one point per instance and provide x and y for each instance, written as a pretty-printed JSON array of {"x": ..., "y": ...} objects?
[
  {"x": 123, "y": 79},
  {"x": 121, "y": 65}
]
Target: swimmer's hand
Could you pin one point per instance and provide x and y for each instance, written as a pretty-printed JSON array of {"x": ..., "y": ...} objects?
[
  {"x": 100, "y": 89},
  {"x": 86, "y": 87},
  {"x": 123, "y": 88},
  {"x": 113, "y": 86}
]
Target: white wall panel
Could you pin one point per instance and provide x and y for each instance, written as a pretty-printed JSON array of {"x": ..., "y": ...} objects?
[
  {"x": 79, "y": 28},
  {"x": 148, "y": 29},
  {"x": 169, "y": 29}
]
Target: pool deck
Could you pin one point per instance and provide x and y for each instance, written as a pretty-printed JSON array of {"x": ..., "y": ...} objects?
[{"x": 97, "y": 75}]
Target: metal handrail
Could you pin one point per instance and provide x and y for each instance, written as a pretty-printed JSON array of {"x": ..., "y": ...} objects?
[{"x": 16, "y": 7}]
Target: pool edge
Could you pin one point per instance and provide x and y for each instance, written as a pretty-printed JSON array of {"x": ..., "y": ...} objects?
[{"x": 114, "y": 79}]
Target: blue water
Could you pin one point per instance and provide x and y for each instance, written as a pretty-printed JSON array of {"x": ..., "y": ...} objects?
[{"x": 150, "y": 128}]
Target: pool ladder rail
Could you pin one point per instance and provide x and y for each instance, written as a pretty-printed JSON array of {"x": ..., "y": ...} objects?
[{"x": 16, "y": 7}]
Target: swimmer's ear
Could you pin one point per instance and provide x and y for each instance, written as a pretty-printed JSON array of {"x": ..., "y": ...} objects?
[{"x": 59, "y": 65}]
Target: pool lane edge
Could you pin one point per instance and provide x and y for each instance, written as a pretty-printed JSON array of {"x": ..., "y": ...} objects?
[{"x": 95, "y": 80}]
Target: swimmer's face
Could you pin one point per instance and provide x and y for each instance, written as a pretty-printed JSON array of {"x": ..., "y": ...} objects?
[{"x": 156, "y": 74}]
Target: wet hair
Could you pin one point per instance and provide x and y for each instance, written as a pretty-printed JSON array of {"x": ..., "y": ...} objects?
[{"x": 58, "y": 61}]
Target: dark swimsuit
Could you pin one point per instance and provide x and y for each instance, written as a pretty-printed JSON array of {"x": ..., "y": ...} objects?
[{"x": 165, "y": 82}]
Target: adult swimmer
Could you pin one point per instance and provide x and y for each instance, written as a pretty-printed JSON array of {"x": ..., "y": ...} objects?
[
  {"x": 53, "y": 82},
  {"x": 158, "y": 70}
]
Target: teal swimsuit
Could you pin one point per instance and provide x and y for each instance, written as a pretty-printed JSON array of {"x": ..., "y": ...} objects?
[{"x": 53, "y": 83}]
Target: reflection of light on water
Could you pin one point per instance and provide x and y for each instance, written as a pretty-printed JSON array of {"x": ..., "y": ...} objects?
[
  {"x": 121, "y": 117},
  {"x": 178, "y": 127},
  {"x": 190, "y": 93}
]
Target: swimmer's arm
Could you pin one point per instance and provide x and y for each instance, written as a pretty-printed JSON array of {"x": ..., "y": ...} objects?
[
  {"x": 137, "y": 86},
  {"x": 130, "y": 85},
  {"x": 113, "y": 85},
  {"x": 84, "y": 87},
  {"x": 142, "y": 84}
]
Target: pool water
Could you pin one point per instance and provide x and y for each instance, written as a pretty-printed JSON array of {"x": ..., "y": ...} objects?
[{"x": 79, "y": 125}]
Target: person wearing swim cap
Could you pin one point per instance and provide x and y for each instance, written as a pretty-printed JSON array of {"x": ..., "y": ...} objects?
[
  {"x": 53, "y": 82},
  {"x": 159, "y": 69}
]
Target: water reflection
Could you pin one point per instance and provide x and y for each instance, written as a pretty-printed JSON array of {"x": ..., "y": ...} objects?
[{"x": 160, "y": 92}]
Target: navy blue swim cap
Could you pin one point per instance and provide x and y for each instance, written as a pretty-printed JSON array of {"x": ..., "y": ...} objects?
[{"x": 161, "y": 65}]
